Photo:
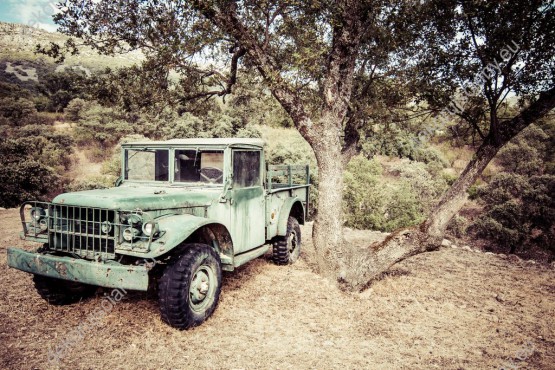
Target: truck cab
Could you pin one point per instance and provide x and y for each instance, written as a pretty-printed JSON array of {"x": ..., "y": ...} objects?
[{"x": 182, "y": 211}]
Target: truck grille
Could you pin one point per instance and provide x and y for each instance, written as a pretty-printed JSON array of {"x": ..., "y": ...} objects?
[{"x": 88, "y": 232}]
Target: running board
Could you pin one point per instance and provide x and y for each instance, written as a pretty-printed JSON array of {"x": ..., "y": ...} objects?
[{"x": 245, "y": 257}]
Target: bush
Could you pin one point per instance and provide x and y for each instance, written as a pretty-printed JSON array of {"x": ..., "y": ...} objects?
[
  {"x": 17, "y": 111},
  {"x": 400, "y": 198},
  {"x": 25, "y": 180},
  {"x": 363, "y": 200},
  {"x": 418, "y": 180},
  {"x": 101, "y": 126},
  {"x": 525, "y": 154},
  {"x": 74, "y": 109},
  {"x": 399, "y": 143},
  {"x": 519, "y": 211},
  {"x": 34, "y": 159}
]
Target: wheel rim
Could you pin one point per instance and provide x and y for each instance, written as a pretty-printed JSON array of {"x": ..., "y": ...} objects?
[
  {"x": 201, "y": 290},
  {"x": 293, "y": 246}
]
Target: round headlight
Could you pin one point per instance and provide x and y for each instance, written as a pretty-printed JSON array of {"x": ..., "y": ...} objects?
[
  {"x": 37, "y": 213},
  {"x": 43, "y": 224},
  {"x": 105, "y": 227},
  {"x": 150, "y": 228},
  {"x": 130, "y": 233}
]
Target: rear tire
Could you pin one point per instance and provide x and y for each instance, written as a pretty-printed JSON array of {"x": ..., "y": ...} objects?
[
  {"x": 287, "y": 248},
  {"x": 190, "y": 287},
  {"x": 61, "y": 292}
]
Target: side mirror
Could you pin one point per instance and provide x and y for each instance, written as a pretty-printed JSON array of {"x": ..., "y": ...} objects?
[{"x": 226, "y": 194}]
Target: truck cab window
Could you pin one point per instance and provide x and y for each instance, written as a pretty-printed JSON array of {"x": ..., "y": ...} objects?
[
  {"x": 246, "y": 168},
  {"x": 146, "y": 165},
  {"x": 192, "y": 165}
]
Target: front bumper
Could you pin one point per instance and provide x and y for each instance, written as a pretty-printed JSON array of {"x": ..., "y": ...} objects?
[{"x": 105, "y": 274}]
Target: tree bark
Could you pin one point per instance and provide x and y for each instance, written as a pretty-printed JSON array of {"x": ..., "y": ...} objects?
[
  {"x": 455, "y": 197},
  {"x": 327, "y": 233}
]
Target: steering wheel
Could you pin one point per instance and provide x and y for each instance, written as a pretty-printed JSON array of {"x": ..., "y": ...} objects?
[{"x": 211, "y": 174}]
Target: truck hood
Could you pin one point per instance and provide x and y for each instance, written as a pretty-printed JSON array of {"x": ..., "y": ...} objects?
[{"x": 141, "y": 197}]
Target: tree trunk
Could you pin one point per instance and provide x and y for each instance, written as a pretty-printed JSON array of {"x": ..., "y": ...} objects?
[
  {"x": 327, "y": 233},
  {"x": 453, "y": 200}
]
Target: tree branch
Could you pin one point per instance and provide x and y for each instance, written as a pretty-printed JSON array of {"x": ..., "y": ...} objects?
[{"x": 228, "y": 20}]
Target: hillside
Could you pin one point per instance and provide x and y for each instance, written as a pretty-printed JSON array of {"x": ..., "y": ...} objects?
[
  {"x": 18, "y": 59},
  {"x": 451, "y": 309}
]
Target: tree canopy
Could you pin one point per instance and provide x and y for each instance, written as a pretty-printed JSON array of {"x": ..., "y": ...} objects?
[{"x": 338, "y": 68}]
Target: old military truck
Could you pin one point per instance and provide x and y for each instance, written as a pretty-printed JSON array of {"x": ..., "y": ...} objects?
[{"x": 182, "y": 211}]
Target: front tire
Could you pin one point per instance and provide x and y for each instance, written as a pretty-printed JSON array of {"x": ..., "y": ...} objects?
[
  {"x": 190, "y": 287},
  {"x": 286, "y": 249},
  {"x": 61, "y": 292}
]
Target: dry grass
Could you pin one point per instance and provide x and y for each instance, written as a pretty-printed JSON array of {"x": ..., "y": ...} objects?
[{"x": 448, "y": 309}]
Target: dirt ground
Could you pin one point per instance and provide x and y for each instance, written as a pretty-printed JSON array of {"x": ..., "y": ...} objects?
[{"x": 450, "y": 309}]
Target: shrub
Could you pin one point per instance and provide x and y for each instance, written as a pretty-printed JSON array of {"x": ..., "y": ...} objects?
[
  {"x": 34, "y": 159},
  {"x": 525, "y": 154},
  {"x": 363, "y": 200},
  {"x": 519, "y": 211},
  {"x": 75, "y": 108},
  {"x": 401, "y": 197},
  {"x": 25, "y": 180},
  {"x": 101, "y": 126},
  {"x": 16, "y": 111},
  {"x": 297, "y": 151}
]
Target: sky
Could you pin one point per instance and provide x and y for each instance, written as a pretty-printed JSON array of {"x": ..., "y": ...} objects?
[{"x": 37, "y": 13}]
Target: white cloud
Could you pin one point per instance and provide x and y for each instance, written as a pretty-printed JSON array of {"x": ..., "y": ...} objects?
[
  {"x": 47, "y": 26},
  {"x": 36, "y": 13}
]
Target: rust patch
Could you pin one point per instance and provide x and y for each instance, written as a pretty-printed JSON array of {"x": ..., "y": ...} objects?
[{"x": 61, "y": 268}]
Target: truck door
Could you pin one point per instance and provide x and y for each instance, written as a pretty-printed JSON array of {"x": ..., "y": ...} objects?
[{"x": 248, "y": 213}]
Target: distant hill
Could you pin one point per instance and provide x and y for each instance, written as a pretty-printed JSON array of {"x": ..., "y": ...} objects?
[{"x": 19, "y": 64}]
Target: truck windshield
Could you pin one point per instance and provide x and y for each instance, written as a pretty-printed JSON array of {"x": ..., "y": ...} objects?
[
  {"x": 197, "y": 165},
  {"x": 146, "y": 164}
]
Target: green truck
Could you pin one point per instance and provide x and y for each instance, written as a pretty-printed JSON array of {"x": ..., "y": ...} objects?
[{"x": 182, "y": 211}]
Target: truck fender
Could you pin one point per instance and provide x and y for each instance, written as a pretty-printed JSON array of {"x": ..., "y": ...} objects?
[
  {"x": 294, "y": 207},
  {"x": 180, "y": 228}
]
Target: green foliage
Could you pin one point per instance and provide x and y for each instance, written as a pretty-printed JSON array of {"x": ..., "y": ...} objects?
[
  {"x": 25, "y": 180},
  {"x": 400, "y": 197},
  {"x": 472, "y": 192},
  {"x": 418, "y": 178},
  {"x": 9, "y": 90},
  {"x": 34, "y": 156},
  {"x": 519, "y": 211},
  {"x": 524, "y": 155},
  {"x": 101, "y": 125},
  {"x": 363, "y": 199},
  {"x": 74, "y": 109},
  {"x": 519, "y": 203},
  {"x": 27, "y": 170},
  {"x": 62, "y": 87},
  {"x": 393, "y": 141},
  {"x": 17, "y": 111}
]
